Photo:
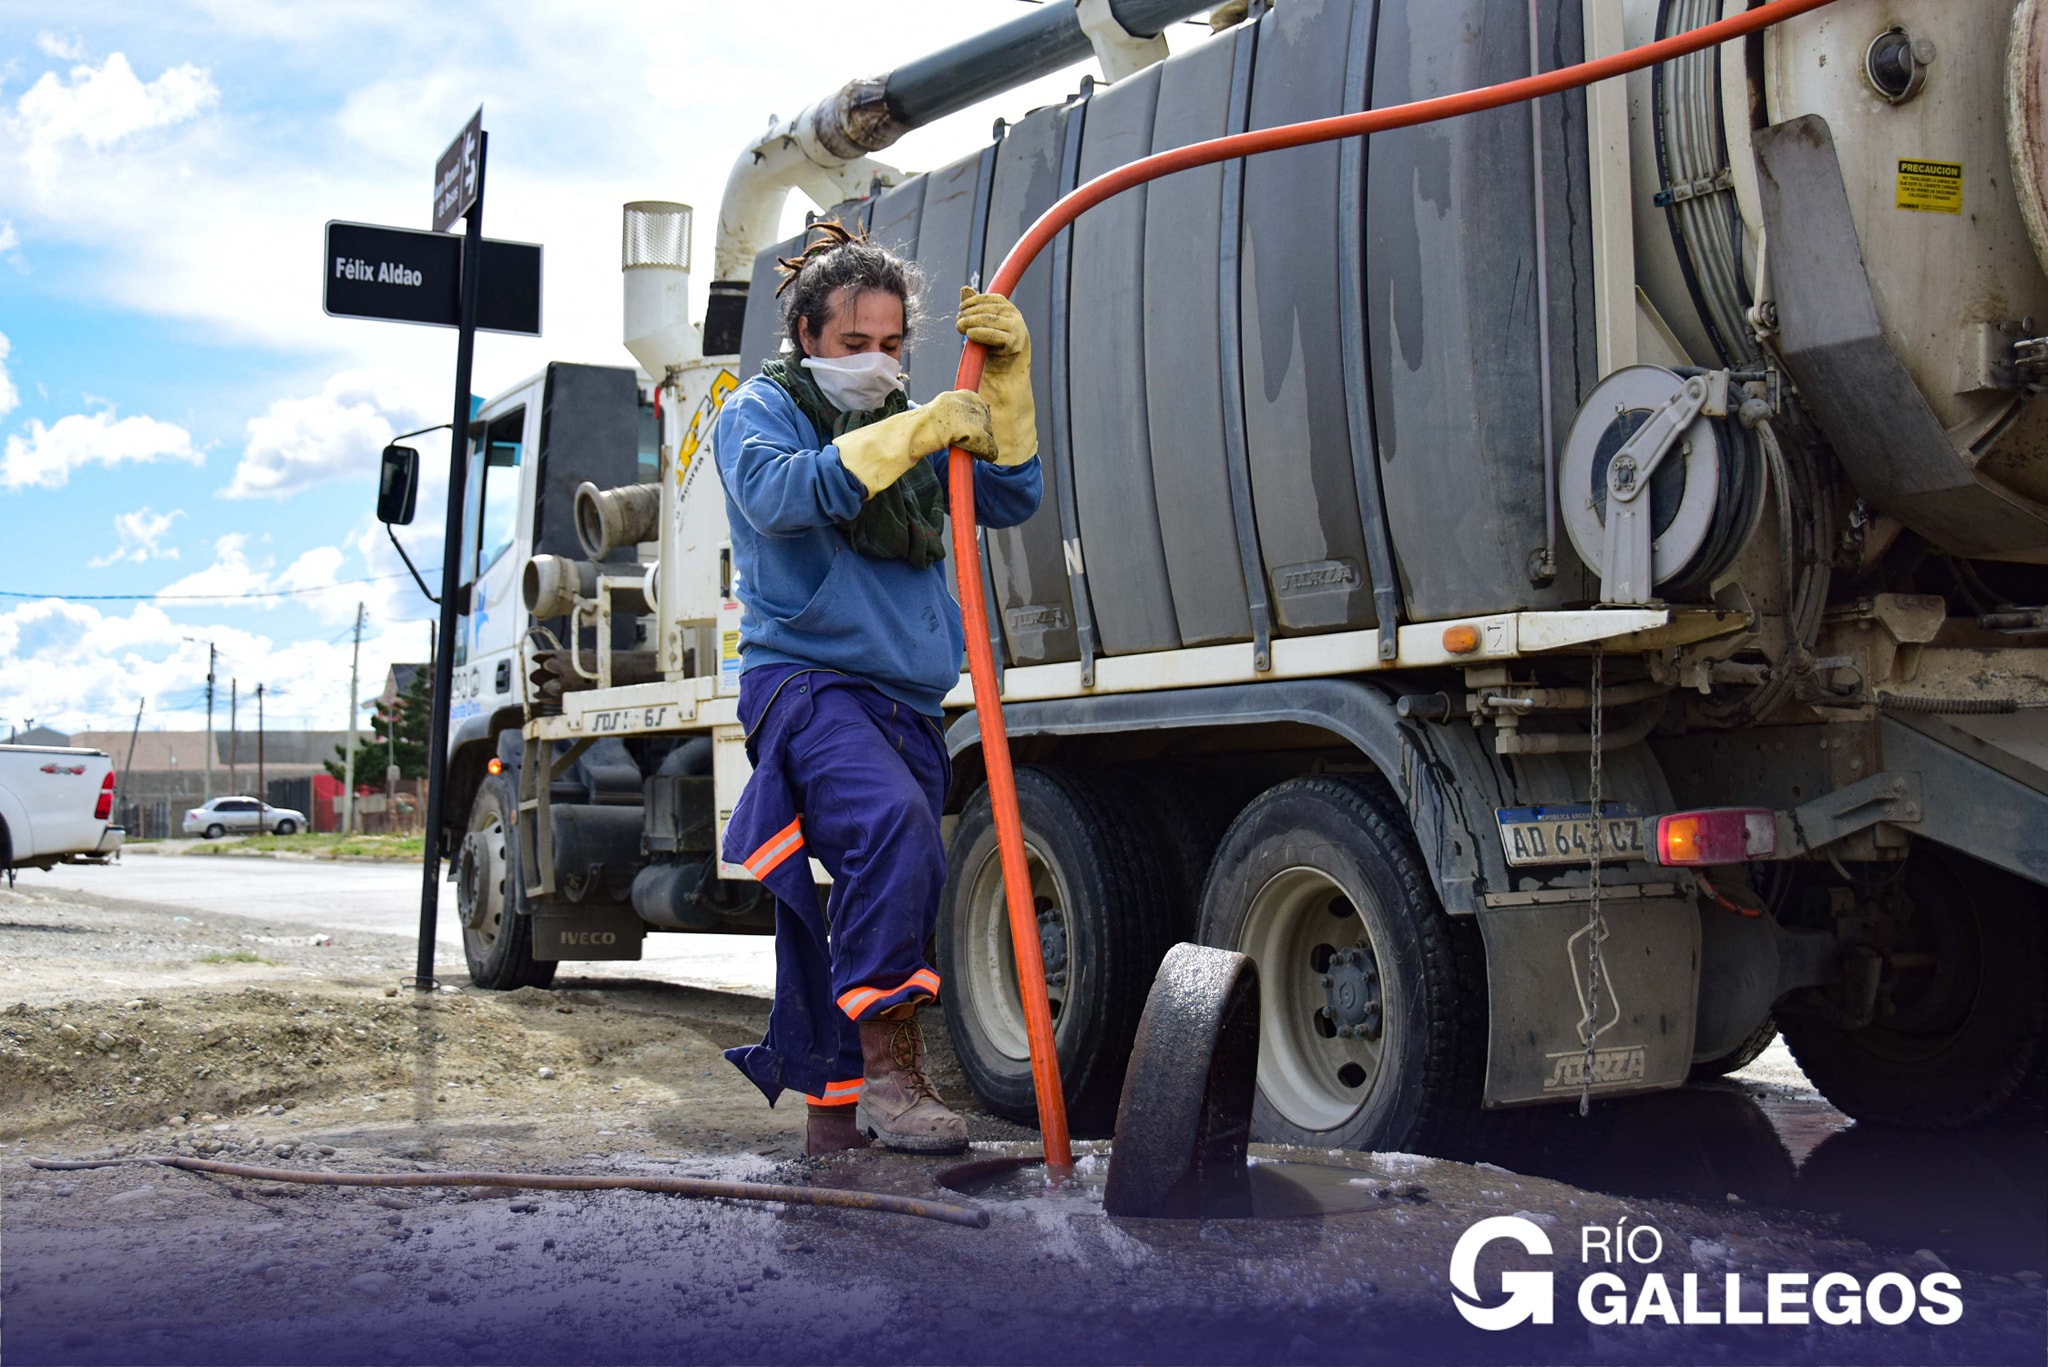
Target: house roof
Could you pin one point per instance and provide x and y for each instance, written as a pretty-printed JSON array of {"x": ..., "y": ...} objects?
[
  {"x": 396, "y": 680},
  {"x": 40, "y": 735}
]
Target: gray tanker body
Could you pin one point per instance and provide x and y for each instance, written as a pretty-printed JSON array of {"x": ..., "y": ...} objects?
[{"x": 1705, "y": 405}]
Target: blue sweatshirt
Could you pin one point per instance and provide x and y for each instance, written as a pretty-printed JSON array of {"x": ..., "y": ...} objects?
[{"x": 811, "y": 599}]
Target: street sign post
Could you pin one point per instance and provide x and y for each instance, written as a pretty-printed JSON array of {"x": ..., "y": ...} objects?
[
  {"x": 403, "y": 275},
  {"x": 442, "y": 281},
  {"x": 466, "y": 189}
]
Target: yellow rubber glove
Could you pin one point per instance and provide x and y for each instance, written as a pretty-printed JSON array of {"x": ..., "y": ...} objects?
[
  {"x": 994, "y": 321},
  {"x": 879, "y": 454}
]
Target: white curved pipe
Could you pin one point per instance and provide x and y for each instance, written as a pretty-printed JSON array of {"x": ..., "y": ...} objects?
[{"x": 791, "y": 155}]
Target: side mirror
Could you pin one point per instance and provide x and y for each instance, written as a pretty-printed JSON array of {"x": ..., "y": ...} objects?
[{"x": 398, "y": 485}]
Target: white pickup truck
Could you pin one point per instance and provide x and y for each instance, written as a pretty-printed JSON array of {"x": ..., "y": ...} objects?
[{"x": 55, "y": 807}]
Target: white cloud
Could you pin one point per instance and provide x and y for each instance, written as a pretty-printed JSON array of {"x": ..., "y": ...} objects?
[
  {"x": 64, "y": 49},
  {"x": 46, "y": 457},
  {"x": 9, "y": 239},
  {"x": 74, "y": 667},
  {"x": 9, "y": 396},
  {"x": 99, "y": 106},
  {"x": 243, "y": 569},
  {"x": 298, "y": 442},
  {"x": 142, "y": 533},
  {"x": 217, "y": 220},
  {"x": 230, "y": 575}
]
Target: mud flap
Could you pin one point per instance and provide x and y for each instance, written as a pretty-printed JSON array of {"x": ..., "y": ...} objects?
[
  {"x": 1536, "y": 982},
  {"x": 567, "y": 931}
]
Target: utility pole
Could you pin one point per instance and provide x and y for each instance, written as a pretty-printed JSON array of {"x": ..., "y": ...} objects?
[
  {"x": 234, "y": 735},
  {"x": 210, "y": 654},
  {"x": 128, "y": 765},
  {"x": 348, "y": 760},
  {"x": 260, "y": 798}
]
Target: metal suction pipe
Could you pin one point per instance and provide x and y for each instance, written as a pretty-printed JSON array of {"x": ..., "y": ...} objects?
[
  {"x": 551, "y": 584},
  {"x": 610, "y": 519},
  {"x": 824, "y": 151}
]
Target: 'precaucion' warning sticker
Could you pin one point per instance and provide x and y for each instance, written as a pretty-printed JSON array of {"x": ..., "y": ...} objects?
[{"x": 1933, "y": 187}]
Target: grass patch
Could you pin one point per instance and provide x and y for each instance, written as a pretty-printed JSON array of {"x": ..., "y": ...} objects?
[
  {"x": 230, "y": 956},
  {"x": 322, "y": 846}
]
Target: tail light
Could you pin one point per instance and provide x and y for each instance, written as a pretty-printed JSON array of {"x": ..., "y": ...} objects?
[
  {"x": 1727, "y": 835},
  {"x": 105, "y": 806}
]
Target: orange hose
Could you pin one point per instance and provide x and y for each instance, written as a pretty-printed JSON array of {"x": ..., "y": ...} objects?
[{"x": 995, "y": 745}]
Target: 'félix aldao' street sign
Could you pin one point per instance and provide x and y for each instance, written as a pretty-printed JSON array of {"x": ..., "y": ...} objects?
[
  {"x": 406, "y": 276},
  {"x": 456, "y": 174}
]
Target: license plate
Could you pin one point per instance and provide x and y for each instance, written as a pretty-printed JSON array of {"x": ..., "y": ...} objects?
[{"x": 1563, "y": 834}]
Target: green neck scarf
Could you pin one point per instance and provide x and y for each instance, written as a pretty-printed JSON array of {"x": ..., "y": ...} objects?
[{"x": 907, "y": 520}]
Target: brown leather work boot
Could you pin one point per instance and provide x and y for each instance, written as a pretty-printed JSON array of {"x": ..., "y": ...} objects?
[
  {"x": 899, "y": 1108},
  {"x": 830, "y": 1129}
]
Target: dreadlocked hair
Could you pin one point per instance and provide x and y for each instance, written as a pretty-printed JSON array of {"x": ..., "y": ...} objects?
[{"x": 836, "y": 257}]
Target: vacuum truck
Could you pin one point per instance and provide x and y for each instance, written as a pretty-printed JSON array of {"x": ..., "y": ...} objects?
[{"x": 1560, "y": 588}]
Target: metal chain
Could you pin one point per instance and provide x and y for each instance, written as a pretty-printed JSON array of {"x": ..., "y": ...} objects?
[{"x": 1596, "y": 923}]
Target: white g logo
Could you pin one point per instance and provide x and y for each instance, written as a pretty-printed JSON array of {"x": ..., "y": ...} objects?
[{"x": 1528, "y": 1293}]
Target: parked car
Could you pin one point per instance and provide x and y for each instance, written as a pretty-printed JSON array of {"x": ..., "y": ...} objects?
[
  {"x": 55, "y": 805},
  {"x": 241, "y": 815}
]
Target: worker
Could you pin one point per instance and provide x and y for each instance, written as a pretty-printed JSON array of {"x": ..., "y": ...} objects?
[{"x": 835, "y": 497}]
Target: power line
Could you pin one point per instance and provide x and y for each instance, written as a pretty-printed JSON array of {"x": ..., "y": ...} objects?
[{"x": 203, "y": 597}]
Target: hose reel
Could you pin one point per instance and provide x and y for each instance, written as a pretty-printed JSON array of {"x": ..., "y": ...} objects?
[{"x": 1660, "y": 487}]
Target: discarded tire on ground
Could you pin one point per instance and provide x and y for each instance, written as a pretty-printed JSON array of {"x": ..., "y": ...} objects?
[
  {"x": 497, "y": 939},
  {"x": 1185, "y": 1118},
  {"x": 1103, "y": 924},
  {"x": 1372, "y": 1028}
]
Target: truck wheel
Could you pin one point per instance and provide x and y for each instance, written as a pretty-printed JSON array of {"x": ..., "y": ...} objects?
[
  {"x": 1372, "y": 1023},
  {"x": 216, "y": 831},
  {"x": 1188, "y": 812},
  {"x": 1961, "y": 1019},
  {"x": 1103, "y": 926},
  {"x": 497, "y": 935},
  {"x": 1738, "y": 1058}
]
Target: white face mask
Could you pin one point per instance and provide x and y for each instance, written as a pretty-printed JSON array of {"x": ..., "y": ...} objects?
[{"x": 857, "y": 383}]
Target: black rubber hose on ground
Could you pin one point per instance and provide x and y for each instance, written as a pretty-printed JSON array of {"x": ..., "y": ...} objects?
[{"x": 700, "y": 1188}]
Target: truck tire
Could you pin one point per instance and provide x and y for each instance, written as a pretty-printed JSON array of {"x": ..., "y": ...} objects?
[
  {"x": 1101, "y": 890},
  {"x": 1738, "y": 1058},
  {"x": 1187, "y": 811},
  {"x": 1958, "y": 1039},
  {"x": 1319, "y": 880},
  {"x": 497, "y": 934}
]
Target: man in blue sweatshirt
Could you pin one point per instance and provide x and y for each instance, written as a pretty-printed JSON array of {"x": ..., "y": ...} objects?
[{"x": 835, "y": 498}]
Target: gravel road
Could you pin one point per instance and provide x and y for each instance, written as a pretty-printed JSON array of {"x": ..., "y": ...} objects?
[{"x": 335, "y": 896}]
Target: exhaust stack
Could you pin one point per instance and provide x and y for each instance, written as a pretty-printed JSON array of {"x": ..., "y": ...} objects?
[{"x": 654, "y": 254}]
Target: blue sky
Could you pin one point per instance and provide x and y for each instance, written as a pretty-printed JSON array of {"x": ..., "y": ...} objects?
[{"x": 177, "y": 415}]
